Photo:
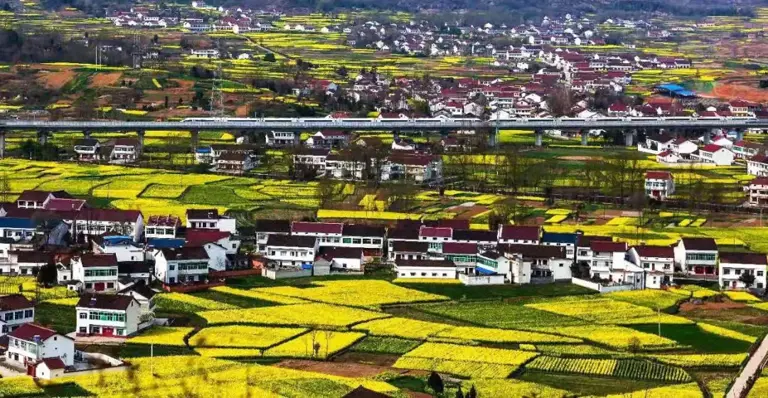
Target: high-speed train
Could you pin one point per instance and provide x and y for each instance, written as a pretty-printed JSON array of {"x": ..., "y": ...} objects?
[{"x": 342, "y": 121}]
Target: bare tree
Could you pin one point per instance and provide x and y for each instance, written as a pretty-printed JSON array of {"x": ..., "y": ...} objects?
[{"x": 560, "y": 101}]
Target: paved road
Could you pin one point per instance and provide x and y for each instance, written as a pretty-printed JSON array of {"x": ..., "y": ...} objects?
[{"x": 752, "y": 368}]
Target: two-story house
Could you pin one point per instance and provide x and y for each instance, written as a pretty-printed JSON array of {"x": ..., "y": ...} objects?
[
  {"x": 562, "y": 239},
  {"x": 265, "y": 228},
  {"x": 734, "y": 265},
  {"x": 757, "y": 192},
  {"x": 659, "y": 185},
  {"x": 97, "y": 272},
  {"x": 605, "y": 256},
  {"x": 407, "y": 250},
  {"x": 546, "y": 263},
  {"x": 697, "y": 256},
  {"x": 161, "y": 227},
  {"x": 412, "y": 167},
  {"x": 87, "y": 150},
  {"x": 281, "y": 139},
  {"x": 125, "y": 150},
  {"x": 292, "y": 251},
  {"x": 181, "y": 265},
  {"x": 107, "y": 315},
  {"x": 15, "y": 310},
  {"x": 657, "y": 261},
  {"x": 210, "y": 219},
  {"x": 425, "y": 269},
  {"x": 519, "y": 234},
  {"x": 31, "y": 343},
  {"x": 758, "y": 166},
  {"x": 714, "y": 154}
]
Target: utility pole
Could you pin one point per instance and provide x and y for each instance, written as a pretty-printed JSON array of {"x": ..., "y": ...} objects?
[{"x": 217, "y": 97}]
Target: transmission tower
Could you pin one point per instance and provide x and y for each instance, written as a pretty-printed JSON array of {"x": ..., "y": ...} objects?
[{"x": 217, "y": 97}]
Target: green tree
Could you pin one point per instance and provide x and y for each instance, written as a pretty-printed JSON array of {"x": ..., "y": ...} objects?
[{"x": 435, "y": 382}]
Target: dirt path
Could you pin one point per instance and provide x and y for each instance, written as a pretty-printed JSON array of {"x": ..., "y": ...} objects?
[
  {"x": 739, "y": 387},
  {"x": 346, "y": 369}
]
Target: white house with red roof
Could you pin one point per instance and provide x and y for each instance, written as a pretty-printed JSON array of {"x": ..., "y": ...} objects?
[
  {"x": 125, "y": 150},
  {"x": 657, "y": 261},
  {"x": 90, "y": 221},
  {"x": 740, "y": 107},
  {"x": 609, "y": 262},
  {"x": 15, "y": 310},
  {"x": 758, "y": 166},
  {"x": 683, "y": 147},
  {"x": 757, "y": 192},
  {"x": 618, "y": 109},
  {"x": 714, "y": 154},
  {"x": 210, "y": 219},
  {"x": 659, "y": 185},
  {"x": 328, "y": 139},
  {"x": 747, "y": 149},
  {"x": 30, "y": 343},
  {"x": 416, "y": 167},
  {"x": 667, "y": 156}
]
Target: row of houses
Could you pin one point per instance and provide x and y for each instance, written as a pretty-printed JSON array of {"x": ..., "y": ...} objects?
[{"x": 511, "y": 254}]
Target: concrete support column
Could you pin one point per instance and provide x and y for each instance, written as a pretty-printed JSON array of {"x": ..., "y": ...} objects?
[
  {"x": 707, "y": 136},
  {"x": 629, "y": 138},
  {"x": 739, "y": 134},
  {"x": 140, "y": 135},
  {"x": 539, "y": 137},
  {"x": 194, "y": 138},
  {"x": 86, "y": 134},
  {"x": 2, "y": 144},
  {"x": 42, "y": 137},
  {"x": 493, "y": 138},
  {"x": 584, "y": 137}
]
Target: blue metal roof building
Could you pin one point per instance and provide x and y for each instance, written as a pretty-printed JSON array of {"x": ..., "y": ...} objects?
[
  {"x": 17, "y": 223},
  {"x": 675, "y": 90},
  {"x": 560, "y": 237},
  {"x": 160, "y": 243}
]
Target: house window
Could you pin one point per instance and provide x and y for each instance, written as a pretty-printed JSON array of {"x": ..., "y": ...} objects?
[
  {"x": 83, "y": 329},
  {"x": 28, "y": 313},
  {"x": 172, "y": 267},
  {"x": 83, "y": 315},
  {"x": 759, "y": 273}
]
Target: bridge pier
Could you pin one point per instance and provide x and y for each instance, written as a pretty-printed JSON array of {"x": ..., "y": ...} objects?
[
  {"x": 629, "y": 138},
  {"x": 42, "y": 137},
  {"x": 87, "y": 134},
  {"x": 2, "y": 144},
  {"x": 539, "y": 137},
  {"x": 739, "y": 134},
  {"x": 584, "y": 137},
  {"x": 707, "y": 136},
  {"x": 140, "y": 135},
  {"x": 194, "y": 137}
]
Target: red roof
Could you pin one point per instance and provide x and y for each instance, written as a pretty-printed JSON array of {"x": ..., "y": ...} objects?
[
  {"x": 198, "y": 237},
  {"x": 317, "y": 227},
  {"x": 64, "y": 204},
  {"x": 14, "y": 302},
  {"x": 28, "y": 331},
  {"x": 34, "y": 196},
  {"x": 663, "y": 155},
  {"x": 759, "y": 181},
  {"x": 604, "y": 246},
  {"x": 520, "y": 232},
  {"x": 739, "y": 103},
  {"x": 617, "y": 107},
  {"x": 435, "y": 232},
  {"x": 459, "y": 248},
  {"x": 165, "y": 221},
  {"x": 99, "y": 260},
  {"x": 711, "y": 148},
  {"x": 658, "y": 175},
  {"x": 759, "y": 159},
  {"x": 655, "y": 251},
  {"x": 54, "y": 363}
]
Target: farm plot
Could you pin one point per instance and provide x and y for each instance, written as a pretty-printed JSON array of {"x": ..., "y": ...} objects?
[
  {"x": 294, "y": 315},
  {"x": 475, "y": 362},
  {"x": 608, "y": 311},
  {"x": 616, "y": 336},
  {"x": 501, "y": 315},
  {"x": 162, "y": 335},
  {"x": 240, "y": 336},
  {"x": 623, "y": 368}
]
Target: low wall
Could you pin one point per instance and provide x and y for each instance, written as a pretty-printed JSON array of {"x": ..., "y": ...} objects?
[
  {"x": 481, "y": 280},
  {"x": 235, "y": 273},
  {"x": 275, "y": 274},
  {"x": 191, "y": 288},
  {"x": 103, "y": 358},
  {"x": 600, "y": 288},
  {"x": 120, "y": 368}
]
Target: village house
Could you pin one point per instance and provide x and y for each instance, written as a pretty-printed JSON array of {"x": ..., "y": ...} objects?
[
  {"x": 265, "y": 228},
  {"x": 748, "y": 149},
  {"x": 328, "y": 139},
  {"x": 281, "y": 139},
  {"x": 511, "y": 268},
  {"x": 18, "y": 229},
  {"x": 407, "y": 250},
  {"x": 659, "y": 185},
  {"x": 412, "y": 167},
  {"x": 161, "y": 227},
  {"x": 565, "y": 240},
  {"x": 697, "y": 256},
  {"x": 657, "y": 261},
  {"x": 125, "y": 150},
  {"x": 182, "y": 265},
  {"x": 758, "y": 166},
  {"x": 125, "y": 249},
  {"x": 547, "y": 263},
  {"x": 311, "y": 161},
  {"x": 97, "y": 272},
  {"x": 425, "y": 269},
  {"x": 210, "y": 219},
  {"x": 145, "y": 296},
  {"x": 735, "y": 266},
  {"x": 656, "y": 143},
  {"x": 15, "y": 310},
  {"x": 107, "y": 315},
  {"x": 88, "y": 150},
  {"x": 757, "y": 192},
  {"x": 25, "y": 262},
  {"x": 234, "y": 163},
  {"x": 31, "y": 343},
  {"x": 514, "y": 234},
  {"x": 341, "y": 258},
  {"x": 714, "y": 154},
  {"x": 292, "y": 251},
  {"x": 345, "y": 165}
]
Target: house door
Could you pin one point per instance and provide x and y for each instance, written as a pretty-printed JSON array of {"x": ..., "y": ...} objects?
[
  {"x": 699, "y": 270},
  {"x": 30, "y": 370},
  {"x": 99, "y": 286},
  {"x": 108, "y": 331}
]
